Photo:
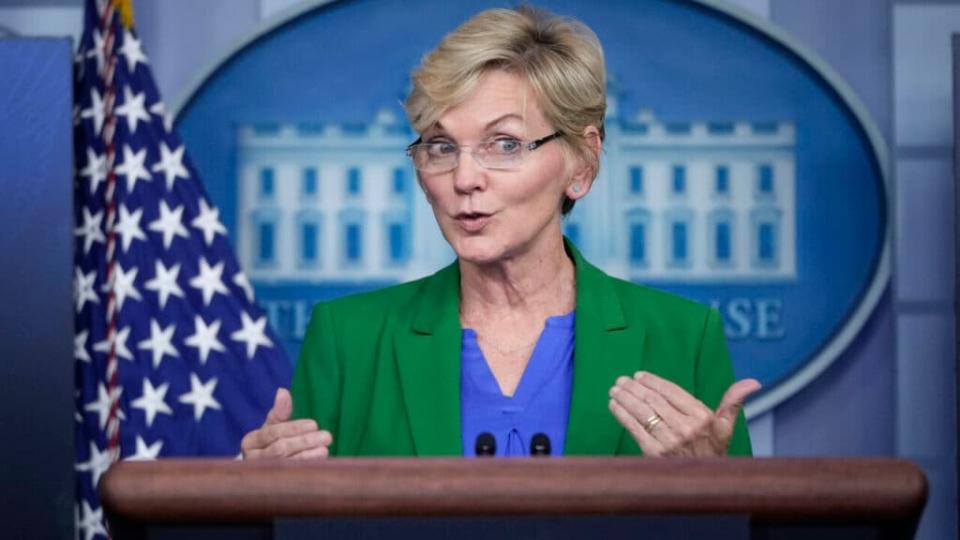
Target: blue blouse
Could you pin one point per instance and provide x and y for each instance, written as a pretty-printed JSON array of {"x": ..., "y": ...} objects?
[{"x": 540, "y": 404}]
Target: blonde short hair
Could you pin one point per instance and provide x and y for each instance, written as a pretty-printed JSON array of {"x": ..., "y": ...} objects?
[{"x": 561, "y": 58}]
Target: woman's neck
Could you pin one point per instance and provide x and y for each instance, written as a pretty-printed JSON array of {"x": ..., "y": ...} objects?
[{"x": 537, "y": 283}]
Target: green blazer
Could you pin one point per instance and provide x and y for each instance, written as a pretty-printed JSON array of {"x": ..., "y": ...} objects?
[{"x": 381, "y": 370}]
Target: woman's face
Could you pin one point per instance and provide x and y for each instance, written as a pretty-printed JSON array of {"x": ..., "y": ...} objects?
[{"x": 490, "y": 216}]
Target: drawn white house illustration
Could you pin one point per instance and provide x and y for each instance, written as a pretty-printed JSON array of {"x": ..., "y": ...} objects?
[{"x": 695, "y": 201}]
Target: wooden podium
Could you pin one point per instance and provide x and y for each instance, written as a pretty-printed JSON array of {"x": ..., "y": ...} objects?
[{"x": 498, "y": 498}]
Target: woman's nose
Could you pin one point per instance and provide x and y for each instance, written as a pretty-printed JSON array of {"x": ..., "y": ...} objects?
[{"x": 468, "y": 175}]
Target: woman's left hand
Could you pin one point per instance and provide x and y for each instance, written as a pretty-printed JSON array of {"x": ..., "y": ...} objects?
[{"x": 666, "y": 420}]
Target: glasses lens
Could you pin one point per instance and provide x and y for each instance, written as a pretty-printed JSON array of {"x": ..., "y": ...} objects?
[
  {"x": 440, "y": 157},
  {"x": 503, "y": 153},
  {"x": 432, "y": 158},
  {"x": 499, "y": 161},
  {"x": 502, "y": 147}
]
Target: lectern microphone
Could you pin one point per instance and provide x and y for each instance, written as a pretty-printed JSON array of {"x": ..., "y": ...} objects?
[
  {"x": 486, "y": 445},
  {"x": 540, "y": 445}
]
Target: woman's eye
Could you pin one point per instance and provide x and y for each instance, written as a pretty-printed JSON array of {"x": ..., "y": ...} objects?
[
  {"x": 442, "y": 148},
  {"x": 505, "y": 146}
]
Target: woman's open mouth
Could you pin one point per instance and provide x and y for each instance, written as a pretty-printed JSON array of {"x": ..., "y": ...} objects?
[{"x": 473, "y": 221}]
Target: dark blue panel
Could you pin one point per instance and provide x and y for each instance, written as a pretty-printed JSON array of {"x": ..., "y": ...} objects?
[{"x": 36, "y": 324}]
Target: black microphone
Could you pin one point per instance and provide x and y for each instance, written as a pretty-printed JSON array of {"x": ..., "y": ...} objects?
[
  {"x": 540, "y": 445},
  {"x": 486, "y": 445}
]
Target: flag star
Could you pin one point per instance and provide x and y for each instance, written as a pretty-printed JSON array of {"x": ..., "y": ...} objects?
[
  {"x": 200, "y": 396},
  {"x": 171, "y": 164},
  {"x": 209, "y": 281},
  {"x": 95, "y": 111},
  {"x": 132, "y": 167},
  {"x": 98, "y": 463},
  {"x": 151, "y": 401},
  {"x": 102, "y": 405},
  {"x": 96, "y": 169},
  {"x": 133, "y": 109},
  {"x": 252, "y": 333},
  {"x": 132, "y": 50},
  {"x": 209, "y": 222},
  {"x": 80, "y": 346},
  {"x": 123, "y": 286},
  {"x": 144, "y": 452},
  {"x": 97, "y": 50},
  {"x": 77, "y": 415},
  {"x": 169, "y": 224},
  {"x": 159, "y": 110},
  {"x": 165, "y": 282},
  {"x": 129, "y": 227},
  {"x": 83, "y": 288},
  {"x": 90, "y": 230},
  {"x": 120, "y": 347},
  {"x": 204, "y": 338},
  {"x": 79, "y": 63},
  {"x": 91, "y": 522},
  {"x": 160, "y": 343},
  {"x": 240, "y": 280}
]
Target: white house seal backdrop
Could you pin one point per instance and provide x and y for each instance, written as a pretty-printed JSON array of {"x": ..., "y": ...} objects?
[{"x": 738, "y": 170}]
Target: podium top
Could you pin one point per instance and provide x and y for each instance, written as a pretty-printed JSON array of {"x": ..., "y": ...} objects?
[{"x": 775, "y": 489}]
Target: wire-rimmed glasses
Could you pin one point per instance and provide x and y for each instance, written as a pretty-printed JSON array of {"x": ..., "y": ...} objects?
[{"x": 499, "y": 153}]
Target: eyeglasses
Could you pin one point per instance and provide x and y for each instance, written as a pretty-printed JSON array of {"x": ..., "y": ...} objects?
[{"x": 500, "y": 153}]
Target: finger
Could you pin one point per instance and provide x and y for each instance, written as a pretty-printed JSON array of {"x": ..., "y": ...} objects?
[
  {"x": 642, "y": 412},
  {"x": 252, "y": 454},
  {"x": 733, "y": 399},
  {"x": 319, "y": 452},
  {"x": 290, "y": 446},
  {"x": 282, "y": 407},
  {"x": 281, "y": 447},
  {"x": 678, "y": 397},
  {"x": 649, "y": 445},
  {"x": 659, "y": 405},
  {"x": 269, "y": 434}
]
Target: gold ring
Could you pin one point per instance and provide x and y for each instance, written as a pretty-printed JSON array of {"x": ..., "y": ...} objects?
[{"x": 651, "y": 422}]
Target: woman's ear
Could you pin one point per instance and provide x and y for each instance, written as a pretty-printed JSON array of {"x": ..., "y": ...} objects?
[{"x": 587, "y": 167}]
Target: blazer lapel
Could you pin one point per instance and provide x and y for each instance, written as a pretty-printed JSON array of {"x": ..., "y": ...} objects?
[
  {"x": 606, "y": 347},
  {"x": 428, "y": 359}
]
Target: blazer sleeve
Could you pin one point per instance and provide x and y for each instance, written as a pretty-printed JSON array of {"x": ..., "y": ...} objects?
[
  {"x": 317, "y": 382},
  {"x": 714, "y": 374}
]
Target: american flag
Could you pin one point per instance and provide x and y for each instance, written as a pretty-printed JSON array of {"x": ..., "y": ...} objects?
[{"x": 173, "y": 357}]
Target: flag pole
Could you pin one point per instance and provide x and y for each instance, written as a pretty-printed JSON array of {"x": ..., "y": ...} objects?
[{"x": 107, "y": 13}]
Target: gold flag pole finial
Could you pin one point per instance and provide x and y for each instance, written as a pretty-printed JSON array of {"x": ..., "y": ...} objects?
[{"x": 125, "y": 7}]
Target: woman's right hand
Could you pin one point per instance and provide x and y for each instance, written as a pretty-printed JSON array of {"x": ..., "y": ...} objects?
[{"x": 279, "y": 437}]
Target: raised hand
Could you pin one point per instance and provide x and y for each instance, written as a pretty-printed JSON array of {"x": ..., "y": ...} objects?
[
  {"x": 666, "y": 420},
  {"x": 279, "y": 437}
]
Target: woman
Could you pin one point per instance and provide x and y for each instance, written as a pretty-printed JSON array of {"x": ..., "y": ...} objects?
[{"x": 520, "y": 336}]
